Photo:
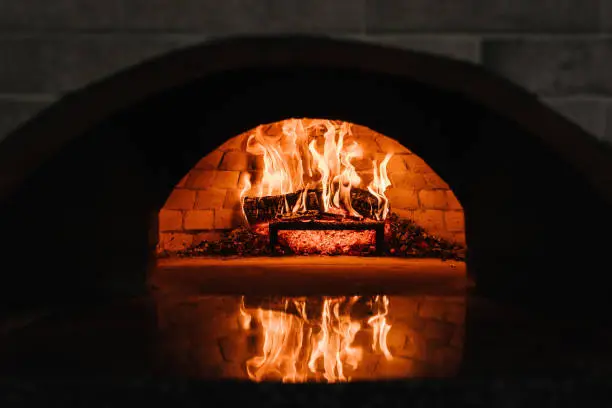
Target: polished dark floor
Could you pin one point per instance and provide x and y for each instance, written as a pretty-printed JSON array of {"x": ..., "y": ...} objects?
[{"x": 169, "y": 336}]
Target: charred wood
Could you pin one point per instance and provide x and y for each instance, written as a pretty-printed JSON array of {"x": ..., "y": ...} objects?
[{"x": 268, "y": 208}]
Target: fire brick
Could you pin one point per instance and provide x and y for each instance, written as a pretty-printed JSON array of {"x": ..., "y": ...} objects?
[
  {"x": 180, "y": 199},
  {"x": 254, "y": 178},
  {"x": 236, "y": 161},
  {"x": 397, "y": 338},
  {"x": 226, "y": 179},
  {"x": 453, "y": 203},
  {"x": 232, "y": 199},
  {"x": 210, "y": 161},
  {"x": 234, "y": 144},
  {"x": 416, "y": 164},
  {"x": 199, "y": 220},
  {"x": 201, "y": 179},
  {"x": 388, "y": 145},
  {"x": 431, "y": 220},
  {"x": 210, "y": 199},
  {"x": 404, "y": 214},
  {"x": 359, "y": 132},
  {"x": 454, "y": 221},
  {"x": 396, "y": 164},
  {"x": 435, "y": 181},
  {"x": 459, "y": 238},
  {"x": 256, "y": 162},
  {"x": 170, "y": 220},
  {"x": 183, "y": 182},
  {"x": 432, "y": 309},
  {"x": 408, "y": 180},
  {"x": 402, "y": 198},
  {"x": 206, "y": 236},
  {"x": 226, "y": 219},
  {"x": 433, "y": 199},
  {"x": 174, "y": 241},
  {"x": 369, "y": 145},
  {"x": 362, "y": 164}
]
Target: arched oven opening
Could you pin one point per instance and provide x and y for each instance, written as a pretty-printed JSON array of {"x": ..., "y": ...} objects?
[{"x": 341, "y": 224}]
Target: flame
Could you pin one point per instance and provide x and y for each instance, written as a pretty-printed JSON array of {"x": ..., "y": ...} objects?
[
  {"x": 379, "y": 185},
  {"x": 297, "y": 349},
  {"x": 246, "y": 181},
  {"x": 380, "y": 326},
  {"x": 299, "y": 158}
]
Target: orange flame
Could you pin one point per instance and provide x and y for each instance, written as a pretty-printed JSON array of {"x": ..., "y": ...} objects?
[
  {"x": 380, "y": 326},
  {"x": 293, "y": 161},
  {"x": 379, "y": 185},
  {"x": 246, "y": 180},
  {"x": 298, "y": 349}
]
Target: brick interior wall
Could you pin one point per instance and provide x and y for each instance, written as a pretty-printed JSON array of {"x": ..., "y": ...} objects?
[
  {"x": 206, "y": 201},
  {"x": 561, "y": 50}
]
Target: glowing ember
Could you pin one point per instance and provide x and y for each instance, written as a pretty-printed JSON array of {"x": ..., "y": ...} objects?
[
  {"x": 329, "y": 242},
  {"x": 299, "y": 348},
  {"x": 312, "y": 155}
]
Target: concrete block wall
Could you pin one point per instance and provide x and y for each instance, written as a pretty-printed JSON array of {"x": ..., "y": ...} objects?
[
  {"x": 206, "y": 201},
  {"x": 559, "y": 49}
]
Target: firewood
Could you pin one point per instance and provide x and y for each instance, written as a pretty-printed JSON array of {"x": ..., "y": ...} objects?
[
  {"x": 268, "y": 208},
  {"x": 263, "y": 209}
]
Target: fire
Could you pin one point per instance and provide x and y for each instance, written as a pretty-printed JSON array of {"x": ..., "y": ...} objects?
[
  {"x": 300, "y": 159},
  {"x": 298, "y": 348},
  {"x": 246, "y": 180},
  {"x": 378, "y": 186},
  {"x": 330, "y": 242}
]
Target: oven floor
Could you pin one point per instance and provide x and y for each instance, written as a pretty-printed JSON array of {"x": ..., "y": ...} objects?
[{"x": 310, "y": 275}]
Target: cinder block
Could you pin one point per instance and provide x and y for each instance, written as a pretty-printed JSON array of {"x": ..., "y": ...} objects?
[
  {"x": 553, "y": 67},
  {"x": 245, "y": 16},
  {"x": 482, "y": 16},
  {"x": 60, "y": 14},
  {"x": 463, "y": 48}
]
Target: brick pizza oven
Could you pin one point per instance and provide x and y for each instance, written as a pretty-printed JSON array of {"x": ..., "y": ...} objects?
[
  {"x": 94, "y": 185},
  {"x": 127, "y": 175}
]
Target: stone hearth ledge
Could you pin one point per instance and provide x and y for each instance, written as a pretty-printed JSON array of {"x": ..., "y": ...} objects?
[{"x": 309, "y": 276}]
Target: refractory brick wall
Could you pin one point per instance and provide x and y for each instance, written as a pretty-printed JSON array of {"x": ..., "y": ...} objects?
[
  {"x": 206, "y": 201},
  {"x": 559, "y": 49}
]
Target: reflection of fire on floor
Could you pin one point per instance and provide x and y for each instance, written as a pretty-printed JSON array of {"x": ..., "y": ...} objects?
[
  {"x": 425, "y": 339},
  {"x": 301, "y": 344}
]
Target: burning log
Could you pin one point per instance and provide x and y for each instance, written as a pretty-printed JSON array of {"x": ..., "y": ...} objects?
[
  {"x": 268, "y": 208},
  {"x": 263, "y": 209},
  {"x": 317, "y": 216},
  {"x": 363, "y": 201}
]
